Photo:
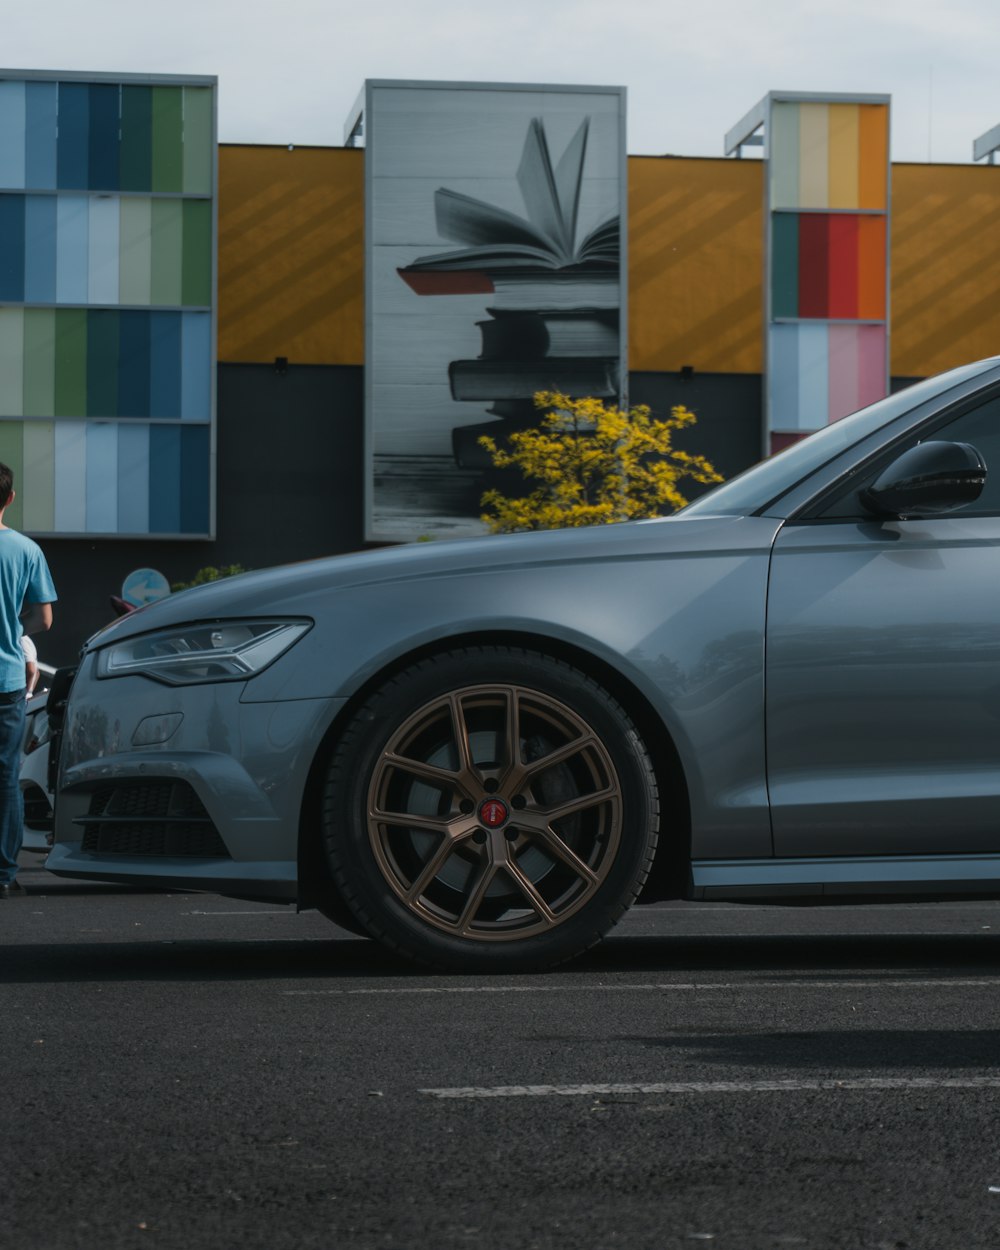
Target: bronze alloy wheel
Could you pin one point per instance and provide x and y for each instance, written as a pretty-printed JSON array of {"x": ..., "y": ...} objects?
[
  {"x": 489, "y": 809},
  {"x": 494, "y": 812}
]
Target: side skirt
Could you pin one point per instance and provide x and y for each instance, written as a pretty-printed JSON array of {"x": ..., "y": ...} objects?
[{"x": 881, "y": 875}]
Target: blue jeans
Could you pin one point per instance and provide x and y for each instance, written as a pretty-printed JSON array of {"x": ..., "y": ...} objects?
[{"x": 11, "y": 803}]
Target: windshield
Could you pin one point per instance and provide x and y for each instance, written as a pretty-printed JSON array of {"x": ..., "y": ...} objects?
[{"x": 758, "y": 486}]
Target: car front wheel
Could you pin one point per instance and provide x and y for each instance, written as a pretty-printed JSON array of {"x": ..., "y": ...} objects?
[{"x": 490, "y": 809}]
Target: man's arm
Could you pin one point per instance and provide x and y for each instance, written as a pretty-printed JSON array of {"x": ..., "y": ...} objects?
[{"x": 36, "y": 618}]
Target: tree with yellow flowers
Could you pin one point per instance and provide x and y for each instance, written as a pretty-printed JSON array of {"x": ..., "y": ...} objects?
[{"x": 592, "y": 465}]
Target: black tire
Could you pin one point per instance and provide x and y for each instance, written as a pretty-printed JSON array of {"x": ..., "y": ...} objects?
[{"x": 470, "y": 847}]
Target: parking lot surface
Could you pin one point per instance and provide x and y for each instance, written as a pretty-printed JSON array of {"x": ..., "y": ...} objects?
[{"x": 182, "y": 1070}]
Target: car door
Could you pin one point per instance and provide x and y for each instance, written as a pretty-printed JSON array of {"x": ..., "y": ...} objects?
[{"x": 882, "y": 673}]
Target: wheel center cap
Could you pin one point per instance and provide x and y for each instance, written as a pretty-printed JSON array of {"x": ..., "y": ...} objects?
[{"x": 493, "y": 813}]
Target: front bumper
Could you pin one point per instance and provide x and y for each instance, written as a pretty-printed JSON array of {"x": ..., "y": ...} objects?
[{"x": 184, "y": 788}]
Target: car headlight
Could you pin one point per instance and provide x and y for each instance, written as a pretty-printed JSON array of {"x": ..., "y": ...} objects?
[{"x": 188, "y": 655}]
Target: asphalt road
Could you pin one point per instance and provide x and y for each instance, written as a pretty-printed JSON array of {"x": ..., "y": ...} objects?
[{"x": 186, "y": 1071}]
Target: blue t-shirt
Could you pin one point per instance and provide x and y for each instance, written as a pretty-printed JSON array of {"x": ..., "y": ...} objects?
[{"x": 24, "y": 578}]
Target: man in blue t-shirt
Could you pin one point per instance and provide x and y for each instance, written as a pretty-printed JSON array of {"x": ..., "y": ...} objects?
[{"x": 26, "y": 598}]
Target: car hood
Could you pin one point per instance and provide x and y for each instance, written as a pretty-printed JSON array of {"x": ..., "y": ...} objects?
[{"x": 287, "y": 589}]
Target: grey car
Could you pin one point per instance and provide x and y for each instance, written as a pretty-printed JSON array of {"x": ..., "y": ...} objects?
[{"x": 482, "y": 752}]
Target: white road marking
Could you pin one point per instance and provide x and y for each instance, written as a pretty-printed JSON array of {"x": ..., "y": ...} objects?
[
  {"x": 718, "y": 1087},
  {"x": 687, "y": 986}
]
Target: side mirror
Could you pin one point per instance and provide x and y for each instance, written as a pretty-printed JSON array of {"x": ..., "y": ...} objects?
[{"x": 928, "y": 480}]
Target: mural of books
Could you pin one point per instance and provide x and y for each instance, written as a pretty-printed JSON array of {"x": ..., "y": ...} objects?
[
  {"x": 541, "y": 287},
  {"x": 554, "y": 314}
]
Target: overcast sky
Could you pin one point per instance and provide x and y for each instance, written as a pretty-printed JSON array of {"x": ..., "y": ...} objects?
[{"x": 290, "y": 70}]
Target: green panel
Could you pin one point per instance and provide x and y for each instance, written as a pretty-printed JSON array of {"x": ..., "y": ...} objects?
[
  {"x": 39, "y": 362},
  {"x": 11, "y": 362},
  {"x": 168, "y": 148},
  {"x": 196, "y": 285},
  {"x": 136, "y": 168},
  {"x": 198, "y": 143},
  {"x": 38, "y": 497},
  {"x": 167, "y": 251},
  {"x": 785, "y": 265},
  {"x": 71, "y": 362},
  {"x": 783, "y": 155},
  {"x": 12, "y": 455}
]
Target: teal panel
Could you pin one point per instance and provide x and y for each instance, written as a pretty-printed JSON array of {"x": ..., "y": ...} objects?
[
  {"x": 784, "y": 265},
  {"x": 42, "y": 128},
  {"x": 102, "y": 362},
  {"x": 135, "y": 169},
  {"x": 13, "y": 123}
]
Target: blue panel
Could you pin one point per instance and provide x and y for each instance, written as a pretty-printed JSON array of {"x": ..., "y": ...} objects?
[
  {"x": 783, "y": 376},
  {"x": 196, "y": 354},
  {"x": 72, "y": 248},
  {"x": 165, "y": 365},
  {"x": 814, "y": 374},
  {"x": 40, "y": 249},
  {"x": 102, "y": 140},
  {"x": 12, "y": 248},
  {"x": 72, "y": 144},
  {"x": 70, "y": 476},
  {"x": 194, "y": 479},
  {"x": 12, "y": 128},
  {"x": 133, "y": 479},
  {"x": 102, "y": 478},
  {"x": 164, "y": 479},
  {"x": 40, "y": 156},
  {"x": 133, "y": 364}
]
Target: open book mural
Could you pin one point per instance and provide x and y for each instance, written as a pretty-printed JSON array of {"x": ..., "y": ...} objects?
[
  {"x": 554, "y": 297},
  {"x": 493, "y": 270}
]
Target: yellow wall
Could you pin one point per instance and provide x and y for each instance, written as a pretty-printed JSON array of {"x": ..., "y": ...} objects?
[
  {"x": 945, "y": 265},
  {"x": 291, "y": 255},
  {"x": 291, "y": 261},
  {"x": 695, "y": 264}
]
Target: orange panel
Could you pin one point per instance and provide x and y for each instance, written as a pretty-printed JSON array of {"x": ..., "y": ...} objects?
[
  {"x": 873, "y": 169},
  {"x": 871, "y": 268},
  {"x": 291, "y": 255},
  {"x": 695, "y": 264}
]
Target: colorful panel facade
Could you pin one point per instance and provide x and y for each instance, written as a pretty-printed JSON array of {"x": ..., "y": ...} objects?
[
  {"x": 827, "y": 264},
  {"x": 107, "y": 302},
  {"x": 495, "y": 268}
]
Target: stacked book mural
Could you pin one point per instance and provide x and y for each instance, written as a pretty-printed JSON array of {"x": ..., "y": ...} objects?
[
  {"x": 536, "y": 288},
  {"x": 554, "y": 303}
]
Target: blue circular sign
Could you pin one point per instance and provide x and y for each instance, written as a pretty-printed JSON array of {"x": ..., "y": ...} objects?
[{"x": 144, "y": 586}]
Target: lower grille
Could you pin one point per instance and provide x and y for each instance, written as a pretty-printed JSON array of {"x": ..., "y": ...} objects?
[
  {"x": 37, "y": 809},
  {"x": 151, "y": 818}
]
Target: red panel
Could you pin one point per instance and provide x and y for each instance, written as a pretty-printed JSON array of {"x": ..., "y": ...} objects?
[
  {"x": 843, "y": 262},
  {"x": 780, "y": 441},
  {"x": 814, "y": 250}
]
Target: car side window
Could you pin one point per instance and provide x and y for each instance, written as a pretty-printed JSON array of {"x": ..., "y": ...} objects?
[{"x": 979, "y": 426}]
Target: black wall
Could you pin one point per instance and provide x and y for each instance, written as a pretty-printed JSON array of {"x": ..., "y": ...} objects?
[
  {"x": 289, "y": 488},
  {"x": 729, "y": 408}
]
